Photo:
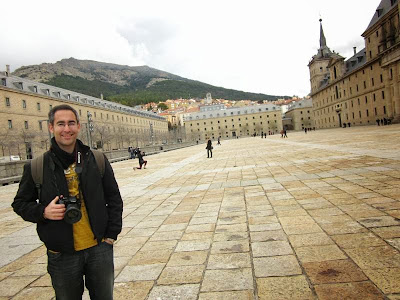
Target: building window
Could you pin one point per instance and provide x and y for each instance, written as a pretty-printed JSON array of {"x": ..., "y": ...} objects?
[
  {"x": 384, "y": 110},
  {"x": 3, "y": 82},
  {"x": 40, "y": 125},
  {"x": 381, "y": 78},
  {"x": 26, "y": 125},
  {"x": 367, "y": 113},
  {"x": 38, "y": 105},
  {"x": 23, "y": 103},
  {"x": 10, "y": 124},
  {"x": 383, "y": 94},
  {"x": 376, "y": 112},
  {"x": 8, "y": 102},
  {"x": 372, "y": 82}
]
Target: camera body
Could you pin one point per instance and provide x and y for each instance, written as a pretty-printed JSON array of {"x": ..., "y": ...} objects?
[{"x": 72, "y": 209}]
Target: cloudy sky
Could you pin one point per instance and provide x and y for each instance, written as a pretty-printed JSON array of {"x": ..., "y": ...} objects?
[{"x": 260, "y": 46}]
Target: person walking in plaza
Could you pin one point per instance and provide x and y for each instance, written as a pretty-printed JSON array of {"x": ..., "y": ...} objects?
[
  {"x": 77, "y": 209},
  {"x": 219, "y": 141},
  {"x": 142, "y": 162},
  {"x": 209, "y": 148},
  {"x": 284, "y": 133}
]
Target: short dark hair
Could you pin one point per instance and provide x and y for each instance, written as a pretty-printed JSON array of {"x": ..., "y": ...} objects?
[{"x": 55, "y": 109}]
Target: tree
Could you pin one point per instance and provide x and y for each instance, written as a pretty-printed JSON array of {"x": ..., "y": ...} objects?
[
  {"x": 162, "y": 106},
  {"x": 103, "y": 133}
]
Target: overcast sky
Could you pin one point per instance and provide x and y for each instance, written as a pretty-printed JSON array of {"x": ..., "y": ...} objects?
[{"x": 256, "y": 46}]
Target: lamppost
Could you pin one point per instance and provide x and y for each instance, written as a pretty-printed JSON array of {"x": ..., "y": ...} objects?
[
  {"x": 48, "y": 130},
  {"x": 90, "y": 129}
]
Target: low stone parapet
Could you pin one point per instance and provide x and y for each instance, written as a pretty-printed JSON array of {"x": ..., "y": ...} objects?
[{"x": 11, "y": 172}]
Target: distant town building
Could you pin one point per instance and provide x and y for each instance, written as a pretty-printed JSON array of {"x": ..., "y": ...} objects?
[
  {"x": 364, "y": 88},
  {"x": 208, "y": 98}
]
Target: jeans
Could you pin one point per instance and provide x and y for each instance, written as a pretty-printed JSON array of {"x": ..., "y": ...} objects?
[
  {"x": 95, "y": 263},
  {"x": 209, "y": 151}
]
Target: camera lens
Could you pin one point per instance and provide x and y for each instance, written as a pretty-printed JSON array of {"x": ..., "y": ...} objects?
[{"x": 72, "y": 215}]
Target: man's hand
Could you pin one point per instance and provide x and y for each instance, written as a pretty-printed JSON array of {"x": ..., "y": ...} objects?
[{"x": 54, "y": 211}]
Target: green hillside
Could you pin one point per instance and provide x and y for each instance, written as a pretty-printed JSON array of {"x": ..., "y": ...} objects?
[{"x": 136, "y": 92}]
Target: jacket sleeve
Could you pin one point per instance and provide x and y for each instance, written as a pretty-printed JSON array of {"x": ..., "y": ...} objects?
[
  {"x": 114, "y": 202},
  {"x": 25, "y": 202}
]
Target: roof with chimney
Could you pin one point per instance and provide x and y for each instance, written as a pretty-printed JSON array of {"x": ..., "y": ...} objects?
[{"x": 383, "y": 8}]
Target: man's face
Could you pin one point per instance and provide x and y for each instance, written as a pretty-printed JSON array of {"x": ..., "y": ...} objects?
[{"x": 65, "y": 129}]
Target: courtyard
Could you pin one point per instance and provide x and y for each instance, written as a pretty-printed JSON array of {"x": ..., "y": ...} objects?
[{"x": 313, "y": 216}]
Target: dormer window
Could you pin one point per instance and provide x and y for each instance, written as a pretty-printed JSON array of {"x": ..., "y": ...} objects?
[
  {"x": 35, "y": 88},
  {"x": 3, "y": 82},
  {"x": 379, "y": 11},
  {"x": 68, "y": 96},
  {"x": 392, "y": 2}
]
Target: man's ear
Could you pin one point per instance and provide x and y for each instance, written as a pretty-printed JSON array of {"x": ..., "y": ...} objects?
[{"x": 51, "y": 128}]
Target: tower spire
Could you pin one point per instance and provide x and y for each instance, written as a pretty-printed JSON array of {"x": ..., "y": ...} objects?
[{"x": 322, "y": 39}]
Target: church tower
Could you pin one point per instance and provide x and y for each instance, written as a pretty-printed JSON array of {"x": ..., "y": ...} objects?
[{"x": 318, "y": 65}]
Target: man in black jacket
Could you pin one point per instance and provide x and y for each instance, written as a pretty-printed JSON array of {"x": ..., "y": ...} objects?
[{"x": 83, "y": 249}]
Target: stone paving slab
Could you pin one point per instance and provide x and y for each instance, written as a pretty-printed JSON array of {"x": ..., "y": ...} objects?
[{"x": 313, "y": 216}]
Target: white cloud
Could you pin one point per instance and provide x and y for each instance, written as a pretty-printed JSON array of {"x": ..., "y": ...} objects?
[{"x": 254, "y": 45}]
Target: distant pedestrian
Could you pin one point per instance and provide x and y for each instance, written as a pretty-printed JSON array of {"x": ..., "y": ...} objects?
[
  {"x": 262, "y": 134},
  {"x": 305, "y": 130},
  {"x": 132, "y": 152},
  {"x": 142, "y": 162},
  {"x": 282, "y": 133},
  {"x": 219, "y": 141},
  {"x": 209, "y": 148}
]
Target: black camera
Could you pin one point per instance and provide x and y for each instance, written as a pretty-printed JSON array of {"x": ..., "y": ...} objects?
[{"x": 72, "y": 209}]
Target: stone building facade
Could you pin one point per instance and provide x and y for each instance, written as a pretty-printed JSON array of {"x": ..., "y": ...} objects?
[
  {"x": 24, "y": 105},
  {"x": 299, "y": 115},
  {"x": 233, "y": 122},
  {"x": 364, "y": 88}
]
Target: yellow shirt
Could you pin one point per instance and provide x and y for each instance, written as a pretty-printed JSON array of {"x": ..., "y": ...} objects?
[{"x": 83, "y": 234}]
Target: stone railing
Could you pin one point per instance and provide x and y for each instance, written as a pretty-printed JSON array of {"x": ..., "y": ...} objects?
[{"x": 11, "y": 172}]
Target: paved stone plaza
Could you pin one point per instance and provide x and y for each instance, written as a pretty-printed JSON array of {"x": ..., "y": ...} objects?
[{"x": 314, "y": 216}]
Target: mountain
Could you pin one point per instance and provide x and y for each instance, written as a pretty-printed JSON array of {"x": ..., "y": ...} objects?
[{"x": 125, "y": 84}]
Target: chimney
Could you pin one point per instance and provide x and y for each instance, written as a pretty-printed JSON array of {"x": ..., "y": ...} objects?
[
  {"x": 101, "y": 96},
  {"x": 355, "y": 50},
  {"x": 7, "y": 70}
]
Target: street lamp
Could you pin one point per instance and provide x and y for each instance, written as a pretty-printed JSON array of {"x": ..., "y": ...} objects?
[{"x": 90, "y": 129}]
